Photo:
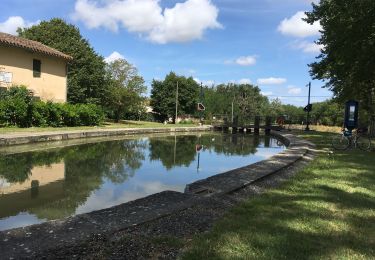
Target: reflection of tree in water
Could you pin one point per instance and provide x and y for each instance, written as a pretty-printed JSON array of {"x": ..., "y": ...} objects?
[
  {"x": 85, "y": 167},
  {"x": 173, "y": 150},
  {"x": 180, "y": 150},
  {"x": 231, "y": 144}
]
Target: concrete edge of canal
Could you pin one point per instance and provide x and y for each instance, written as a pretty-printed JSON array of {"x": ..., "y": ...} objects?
[
  {"x": 33, "y": 241},
  {"x": 37, "y": 137}
]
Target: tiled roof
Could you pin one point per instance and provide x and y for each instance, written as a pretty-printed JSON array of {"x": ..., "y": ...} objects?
[{"x": 12, "y": 40}]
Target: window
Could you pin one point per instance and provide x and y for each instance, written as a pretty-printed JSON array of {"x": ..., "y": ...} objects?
[{"x": 36, "y": 68}]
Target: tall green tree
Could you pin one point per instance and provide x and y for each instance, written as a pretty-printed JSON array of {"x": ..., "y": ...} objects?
[
  {"x": 246, "y": 99},
  {"x": 126, "y": 87},
  {"x": 347, "y": 61},
  {"x": 86, "y": 73},
  {"x": 163, "y": 96}
]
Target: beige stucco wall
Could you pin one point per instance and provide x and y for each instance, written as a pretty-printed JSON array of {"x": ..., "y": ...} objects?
[{"x": 52, "y": 84}]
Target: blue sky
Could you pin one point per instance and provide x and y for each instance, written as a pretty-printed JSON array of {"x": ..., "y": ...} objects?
[{"x": 260, "y": 41}]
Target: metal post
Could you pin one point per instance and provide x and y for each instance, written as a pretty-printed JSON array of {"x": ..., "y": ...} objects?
[
  {"x": 308, "y": 112},
  {"x": 232, "y": 110},
  {"x": 268, "y": 125},
  {"x": 201, "y": 101},
  {"x": 256, "y": 125},
  {"x": 175, "y": 120}
]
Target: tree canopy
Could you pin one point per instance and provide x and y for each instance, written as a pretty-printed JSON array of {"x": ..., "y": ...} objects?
[
  {"x": 86, "y": 73},
  {"x": 346, "y": 62},
  {"x": 163, "y": 96},
  {"x": 246, "y": 98},
  {"x": 126, "y": 86}
]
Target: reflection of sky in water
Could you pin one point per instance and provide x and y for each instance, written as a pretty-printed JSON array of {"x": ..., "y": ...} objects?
[
  {"x": 152, "y": 177},
  {"x": 23, "y": 219}
]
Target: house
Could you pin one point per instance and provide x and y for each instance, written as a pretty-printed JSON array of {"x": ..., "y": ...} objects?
[{"x": 40, "y": 68}]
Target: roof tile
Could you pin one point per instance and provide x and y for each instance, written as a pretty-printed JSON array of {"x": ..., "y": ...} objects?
[{"x": 35, "y": 46}]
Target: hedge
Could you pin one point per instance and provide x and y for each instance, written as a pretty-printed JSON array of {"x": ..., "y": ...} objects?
[{"x": 19, "y": 108}]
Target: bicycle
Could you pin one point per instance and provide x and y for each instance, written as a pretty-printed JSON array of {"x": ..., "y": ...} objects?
[{"x": 349, "y": 138}]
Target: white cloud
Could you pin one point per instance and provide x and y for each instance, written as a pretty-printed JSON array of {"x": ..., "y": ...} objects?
[
  {"x": 244, "y": 81},
  {"x": 295, "y": 26},
  {"x": 243, "y": 61},
  {"x": 246, "y": 60},
  {"x": 266, "y": 93},
  {"x": 294, "y": 90},
  {"x": 271, "y": 81},
  {"x": 13, "y": 23},
  {"x": 184, "y": 22},
  {"x": 114, "y": 56},
  {"x": 308, "y": 47},
  {"x": 208, "y": 83}
]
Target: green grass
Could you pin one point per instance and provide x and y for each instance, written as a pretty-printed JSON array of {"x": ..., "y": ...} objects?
[
  {"x": 326, "y": 211},
  {"x": 107, "y": 125}
]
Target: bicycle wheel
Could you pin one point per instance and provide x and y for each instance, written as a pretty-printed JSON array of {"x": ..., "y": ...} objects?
[
  {"x": 340, "y": 142},
  {"x": 364, "y": 143}
]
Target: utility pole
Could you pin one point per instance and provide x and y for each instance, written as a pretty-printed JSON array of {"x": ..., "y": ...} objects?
[
  {"x": 233, "y": 108},
  {"x": 175, "y": 121},
  {"x": 308, "y": 110},
  {"x": 201, "y": 101}
]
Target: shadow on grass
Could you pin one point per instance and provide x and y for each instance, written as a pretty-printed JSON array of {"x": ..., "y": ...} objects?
[{"x": 326, "y": 211}]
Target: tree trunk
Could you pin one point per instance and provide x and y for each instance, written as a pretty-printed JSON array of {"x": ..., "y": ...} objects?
[
  {"x": 372, "y": 127},
  {"x": 372, "y": 113},
  {"x": 117, "y": 116}
]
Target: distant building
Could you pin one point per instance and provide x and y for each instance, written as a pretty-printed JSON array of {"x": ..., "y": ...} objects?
[{"x": 40, "y": 68}]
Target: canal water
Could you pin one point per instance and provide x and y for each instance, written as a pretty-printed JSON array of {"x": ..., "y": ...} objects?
[{"x": 63, "y": 181}]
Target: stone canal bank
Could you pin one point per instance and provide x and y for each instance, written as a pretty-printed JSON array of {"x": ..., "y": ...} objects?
[
  {"x": 37, "y": 137},
  {"x": 157, "y": 226}
]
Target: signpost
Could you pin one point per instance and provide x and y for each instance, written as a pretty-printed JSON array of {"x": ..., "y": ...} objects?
[
  {"x": 308, "y": 109},
  {"x": 351, "y": 115},
  {"x": 200, "y": 106},
  {"x": 175, "y": 121}
]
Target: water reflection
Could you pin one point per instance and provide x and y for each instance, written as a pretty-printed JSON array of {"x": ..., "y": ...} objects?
[{"x": 45, "y": 185}]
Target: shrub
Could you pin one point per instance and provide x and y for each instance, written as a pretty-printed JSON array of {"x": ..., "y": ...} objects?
[
  {"x": 70, "y": 115},
  {"x": 19, "y": 108},
  {"x": 15, "y": 106},
  {"x": 54, "y": 118},
  {"x": 186, "y": 122},
  {"x": 89, "y": 114},
  {"x": 40, "y": 114}
]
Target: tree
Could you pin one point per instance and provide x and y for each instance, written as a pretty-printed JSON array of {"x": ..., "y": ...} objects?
[
  {"x": 124, "y": 94},
  {"x": 86, "y": 73},
  {"x": 346, "y": 62},
  {"x": 295, "y": 115},
  {"x": 276, "y": 108},
  {"x": 327, "y": 113},
  {"x": 246, "y": 98},
  {"x": 163, "y": 96}
]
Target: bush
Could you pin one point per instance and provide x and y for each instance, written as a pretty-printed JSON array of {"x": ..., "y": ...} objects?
[
  {"x": 186, "y": 122},
  {"x": 19, "y": 108},
  {"x": 70, "y": 115},
  {"x": 16, "y": 106},
  {"x": 89, "y": 114},
  {"x": 40, "y": 114}
]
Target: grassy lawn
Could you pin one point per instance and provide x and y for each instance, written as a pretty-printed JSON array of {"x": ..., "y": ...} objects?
[
  {"x": 327, "y": 211},
  {"x": 107, "y": 125}
]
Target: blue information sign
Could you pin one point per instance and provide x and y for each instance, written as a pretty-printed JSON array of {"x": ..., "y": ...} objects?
[{"x": 351, "y": 114}]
